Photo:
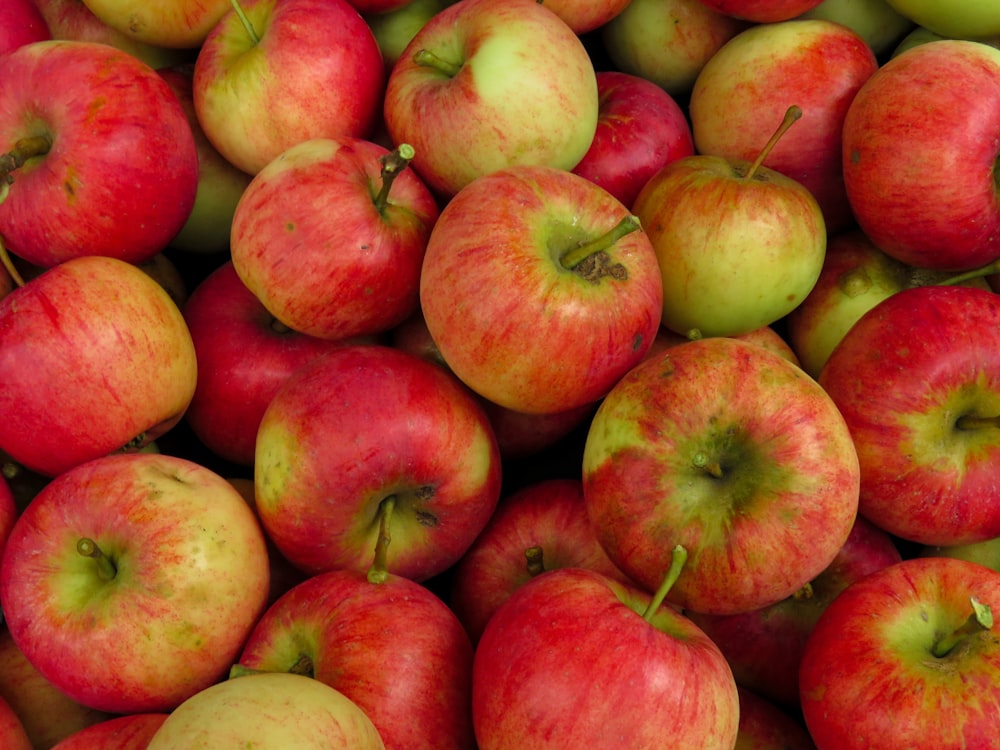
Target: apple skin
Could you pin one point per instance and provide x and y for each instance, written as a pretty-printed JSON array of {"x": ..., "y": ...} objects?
[
  {"x": 932, "y": 351},
  {"x": 494, "y": 278},
  {"x": 869, "y": 675},
  {"x": 94, "y": 358},
  {"x": 560, "y": 662},
  {"x": 772, "y": 513},
  {"x": 766, "y": 726},
  {"x": 128, "y": 732},
  {"x": 120, "y": 175},
  {"x": 640, "y": 129},
  {"x": 13, "y": 735},
  {"x": 170, "y": 23},
  {"x": 8, "y": 512},
  {"x": 525, "y": 92},
  {"x": 394, "y": 648},
  {"x": 360, "y": 424},
  {"x": 584, "y": 16},
  {"x": 921, "y": 132},
  {"x": 749, "y": 83},
  {"x": 316, "y": 73},
  {"x": 762, "y": 11},
  {"x": 275, "y": 709},
  {"x": 973, "y": 20},
  {"x": 878, "y": 23},
  {"x": 920, "y": 35},
  {"x": 21, "y": 23},
  {"x": 191, "y": 579},
  {"x": 395, "y": 29}
]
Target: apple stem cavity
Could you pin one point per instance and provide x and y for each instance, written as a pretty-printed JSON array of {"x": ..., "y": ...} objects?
[
  {"x": 8, "y": 264},
  {"x": 591, "y": 260},
  {"x": 392, "y": 164},
  {"x": 975, "y": 422},
  {"x": 677, "y": 561},
  {"x": 980, "y": 620},
  {"x": 105, "y": 567},
  {"x": 24, "y": 149},
  {"x": 534, "y": 561},
  {"x": 792, "y": 114},
  {"x": 379, "y": 572},
  {"x": 710, "y": 467},
  {"x": 241, "y": 14},
  {"x": 427, "y": 59}
]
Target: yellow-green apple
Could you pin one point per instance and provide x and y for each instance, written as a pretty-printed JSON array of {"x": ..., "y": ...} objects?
[
  {"x": 667, "y": 42},
  {"x": 974, "y": 19},
  {"x": 856, "y": 275},
  {"x": 541, "y": 526},
  {"x": 762, "y": 11},
  {"x": 275, "y": 709},
  {"x": 285, "y": 71},
  {"x": 766, "y": 726},
  {"x": 906, "y": 657},
  {"x": 764, "y": 646},
  {"x": 13, "y": 735},
  {"x": 488, "y": 84},
  {"x": 126, "y": 732},
  {"x": 21, "y": 23},
  {"x": 131, "y": 581},
  {"x": 739, "y": 245},
  {"x": 243, "y": 356},
  {"x": 368, "y": 436},
  {"x": 918, "y": 382},
  {"x": 920, "y": 155},
  {"x": 878, "y": 23},
  {"x": 640, "y": 129},
  {"x": 748, "y": 84},
  {"x": 733, "y": 452},
  {"x": 539, "y": 289},
  {"x": 330, "y": 237},
  {"x": 920, "y": 35},
  {"x": 94, "y": 358},
  {"x": 561, "y": 659},
  {"x": 99, "y": 152},
  {"x": 395, "y": 29},
  {"x": 394, "y": 648},
  {"x": 167, "y": 23}
]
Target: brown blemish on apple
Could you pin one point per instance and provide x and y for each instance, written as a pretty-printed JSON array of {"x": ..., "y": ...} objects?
[
  {"x": 426, "y": 518},
  {"x": 597, "y": 266}
]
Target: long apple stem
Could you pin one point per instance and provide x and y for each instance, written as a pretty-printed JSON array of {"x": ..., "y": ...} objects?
[
  {"x": 241, "y": 14},
  {"x": 975, "y": 273},
  {"x": 24, "y": 149},
  {"x": 379, "y": 570},
  {"x": 427, "y": 59},
  {"x": 792, "y": 114},
  {"x": 677, "y": 560},
  {"x": 576, "y": 255},
  {"x": 8, "y": 265},
  {"x": 392, "y": 164},
  {"x": 981, "y": 619},
  {"x": 534, "y": 560},
  {"x": 105, "y": 567},
  {"x": 974, "y": 422}
]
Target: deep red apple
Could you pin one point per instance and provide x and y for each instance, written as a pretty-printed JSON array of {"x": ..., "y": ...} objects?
[{"x": 21, "y": 23}]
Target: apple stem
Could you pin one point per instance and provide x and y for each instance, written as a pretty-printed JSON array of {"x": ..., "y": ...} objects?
[
  {"x": 241, "y": 14},
  {"x": 595, "y": 251},
  {"x": 428, "y": 59},
  {"x": 24, "y": 149},
  {"x": 981, "y": 619},
  {"x": 105, "y": 567},
  {"x": 702, "y": 461},
  {"x": 974, "y": 422},
  {"x": 534, "y": 560},
  {"x": 975, "y": 273},
  {"x": 792, "y": 114},
  {"x": 804, "y": 593},
  {"x": 8, "y": 264},
  {"x": 677, "y": 560},
  {"x": 392, "y": 164},
  {"x": 378, "y": 572}
]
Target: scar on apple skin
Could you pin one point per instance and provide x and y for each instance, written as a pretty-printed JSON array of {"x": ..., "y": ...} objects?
[{"x": 598, "y": 265}]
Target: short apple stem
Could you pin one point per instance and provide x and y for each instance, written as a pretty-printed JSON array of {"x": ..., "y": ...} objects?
[
  {"x": 303, "y": 666},
  {"x": 379, "y": 570},
  {"x": 105, "y": 567},
  {"x": 702, "y": 461},
  {"x": 534, "y": 560},
  {"x": 241, "y": 14},
  {"x": 24, "y": 149},
  {"x": 792, "y": 114},
  {"x": 974, "y": 422},
  {"x": 392, "y": 164},
  {"x": 677, "y": 560},
  {"x": 981, "y": 619},
  {"x": 428, "y": 59},
  {"x": 975, "y": 273},
  {"x": 8, "y": 265},
  {"x": 576, "y": 255}
]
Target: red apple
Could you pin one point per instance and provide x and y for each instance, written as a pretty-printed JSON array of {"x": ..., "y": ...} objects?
[
  {"x": 766, "y": 726},
  {"x": 586, "y": 15},
  {"x": 168, "y": 23},
  {"x": 8, "y": 512},
  {"x": 13, "y": 735},
  {"x": 21, "y": 23},
  {"x": 128, "y": 732},
  {"x": 762, "y": 11}
]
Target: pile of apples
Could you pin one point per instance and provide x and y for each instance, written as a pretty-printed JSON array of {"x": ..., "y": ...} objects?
[{"x": 459, "y": 374}]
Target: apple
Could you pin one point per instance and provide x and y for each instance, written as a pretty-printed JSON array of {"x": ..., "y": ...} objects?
[
  {"x": 101, "y": 158},
  {"x": 762, "y": 11},
  {"x": 13, "y": 735},
  {"x": 766, "y": 726},
  {"x": 394, "y": 29},
  {"x": 286, "y": 71},
  {"x": 667, "y": 42},
  {"x": 584, "y": 16},
  {"x": 921, "y": 132},
  {"x": 366, "y": 437},
  {"x": 733, "y": 452},
  {"x": 640, "y": 129},
  {"x": 576, "y": 659},
  {"x": 542, "y": 526},
  {"x": 94, "y": 358},
  {"x": 21, "y": 23},
  {"x": 918, "y": 383},
  {"x": 128, "y": 732},
  {"x": 539, "y": 289},
  {"x": 275, "y": 709},
  {"x": 878, "y": 23},
  {"x": 168, "y": 23},
  {"x": 131, "y": 581},
  {"x": 906, "y": 657},
  {"x": 748, "y": 84},
  {"x": 330, "y": 237},
  {"x": 972, "y": 20},
  {"x": 394, "y": 648},
  {"x": 489, "y": 84},
  {"x": 8, "y": 511},
  {"x": 920, "y": 35},
  {"x": 739, "y": 245}
]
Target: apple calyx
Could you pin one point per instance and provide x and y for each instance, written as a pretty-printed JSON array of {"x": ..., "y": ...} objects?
[
  {"x": 392, "y": 164},
  {"x": 241, "y": 14},
  {"x": 534, "y": 562},
  {"x": 677, "y": 560},
  {"x": 792, "y": 114},
  {"x": 24, "y": 149},
  {"x": 105, "y": 566},
  {"x": 378, "y": 571},
  {"x": 701, "y": 460},
  {"x": 980, "y": 620},
  {"x": 591, "y": 261}
]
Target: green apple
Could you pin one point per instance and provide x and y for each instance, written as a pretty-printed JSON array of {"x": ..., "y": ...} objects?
[
  {"x": 876, "y": 21},
  {"x": 969, "y": 19},
  {"x": 395, "y": 28}
]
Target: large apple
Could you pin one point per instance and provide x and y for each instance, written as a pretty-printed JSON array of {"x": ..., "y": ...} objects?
[
  {"x": 539, "y": 289},
  {"x": 733, "y": 452},
  {"x": 488, "y": 84},
  {"x": 974, "y": 19},
  {"x": 920, "y": 155},
  {"x": 99, "y": 152},
  {"x": 131, "y": 581}
]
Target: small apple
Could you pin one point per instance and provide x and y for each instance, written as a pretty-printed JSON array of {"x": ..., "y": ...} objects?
[{"x": 762, "y": 11}]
